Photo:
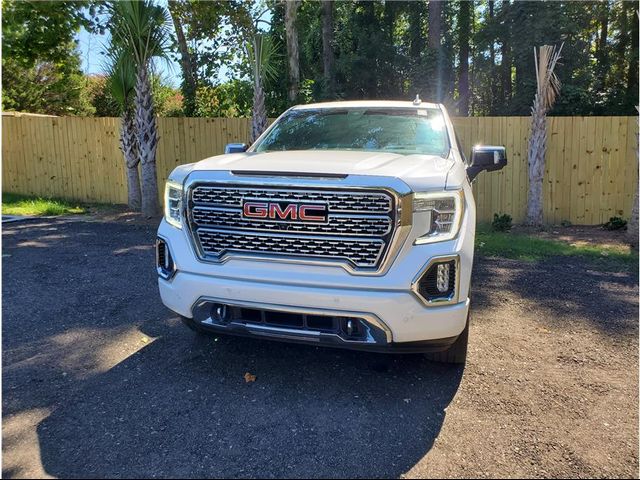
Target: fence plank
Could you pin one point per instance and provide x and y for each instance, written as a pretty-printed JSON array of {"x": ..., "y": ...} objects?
[{"x": 590, "y": 174}]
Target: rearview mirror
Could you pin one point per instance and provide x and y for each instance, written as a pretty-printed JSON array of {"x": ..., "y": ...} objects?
[
  {"x": 235, "y": 148},
  {"x": 484, "y": 157}
]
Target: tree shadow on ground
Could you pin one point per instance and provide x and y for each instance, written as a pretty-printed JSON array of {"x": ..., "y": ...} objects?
[
  {"x": 563, "y": 291},
  {"x": 180, "y": 407}
]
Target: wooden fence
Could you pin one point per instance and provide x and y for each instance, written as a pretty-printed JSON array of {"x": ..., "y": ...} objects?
[{"x": 590, "y": 175}]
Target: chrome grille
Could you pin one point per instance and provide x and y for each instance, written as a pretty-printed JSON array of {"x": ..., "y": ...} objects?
[
  {"x": 358, "y": 230},
  {"x": 362, "y": 253},
  {"x": 338, "y": 224},
  {"x": 337, "y": 201}
]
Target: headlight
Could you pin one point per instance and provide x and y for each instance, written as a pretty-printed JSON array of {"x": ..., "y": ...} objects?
[
  {"x": 444, "y": 214},
  {"x": 173, "y": 203}
]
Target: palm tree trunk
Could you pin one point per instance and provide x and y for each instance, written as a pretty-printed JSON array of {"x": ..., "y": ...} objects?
[
  {"x": 464, "y": 19},
  {"x": 505, "y": 51},
  {"x": 259, "y": 119},
  {"x": 290, "y": 15},
  {"x": 327, "y": 47},
  {"x": 128, "y": 144},
  {"x": 537, "y": 146},
  {"x": 434, "y": 40},
  {"x": 632, "y": 72},
  {"x": 147, "y": 131}
]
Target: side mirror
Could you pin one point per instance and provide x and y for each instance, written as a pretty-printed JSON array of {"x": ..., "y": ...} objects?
[
  {"x": 235, "y": 148},
  {"x": 489, "y": 158}
]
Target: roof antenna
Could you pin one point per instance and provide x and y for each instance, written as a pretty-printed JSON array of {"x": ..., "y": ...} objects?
[{"x": 417, "y": 101}]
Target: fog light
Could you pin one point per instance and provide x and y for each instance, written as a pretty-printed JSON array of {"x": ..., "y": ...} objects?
[
  {"x": 164, "y": 261},
  {"x": 437, "y": 284},
  {"x": 442, "y": 279}
]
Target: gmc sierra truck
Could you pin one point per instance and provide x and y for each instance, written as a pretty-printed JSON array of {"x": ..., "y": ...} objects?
[{"x": 345, "y": 224}]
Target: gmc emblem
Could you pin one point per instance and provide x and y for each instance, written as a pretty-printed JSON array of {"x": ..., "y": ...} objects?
[{"x": 302, "y": 212}]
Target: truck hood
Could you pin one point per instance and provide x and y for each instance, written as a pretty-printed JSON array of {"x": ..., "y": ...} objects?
[{"x": 420, "y": 172}]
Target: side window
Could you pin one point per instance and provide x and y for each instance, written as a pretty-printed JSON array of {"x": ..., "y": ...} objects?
[{"x": 461, "y": 149}]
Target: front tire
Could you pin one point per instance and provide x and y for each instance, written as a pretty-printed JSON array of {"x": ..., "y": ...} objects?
[{"x": 456, "y": 353}]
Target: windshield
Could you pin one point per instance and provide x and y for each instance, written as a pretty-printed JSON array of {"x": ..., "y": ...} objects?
[{"x": 396, "y": 130}]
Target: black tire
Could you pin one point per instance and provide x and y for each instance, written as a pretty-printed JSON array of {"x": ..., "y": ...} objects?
[
  {"x": 456, "y": 353},
  {"x": 189, "y": 322}
]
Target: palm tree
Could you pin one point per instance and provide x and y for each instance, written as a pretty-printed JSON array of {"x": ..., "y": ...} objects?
[
  {"x": 327, "y": 48},
  {"x": 140, "y": 28},
  {"x": 546, "y": 94},
  {"x": 122, "y": 81},
  {"x": 290, "y": 15},
  {"x": 261, "y": 52}
]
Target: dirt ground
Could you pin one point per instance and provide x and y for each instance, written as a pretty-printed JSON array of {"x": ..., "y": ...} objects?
[
  {"x": 100, "y": 380},
  {"x": 580, "y": 235}
]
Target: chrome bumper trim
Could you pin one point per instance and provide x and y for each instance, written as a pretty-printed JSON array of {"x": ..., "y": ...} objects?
[{"x": 379, "y": 333}]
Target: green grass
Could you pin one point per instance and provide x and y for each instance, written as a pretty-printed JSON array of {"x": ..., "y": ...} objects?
[
  {"x": 529, "y": 248},
  {"x": 13, "y": 204}
]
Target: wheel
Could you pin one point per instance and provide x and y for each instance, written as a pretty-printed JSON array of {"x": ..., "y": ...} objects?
[
  {"x": 456, "y": 353},
  {"x": 189, "y": 322}
]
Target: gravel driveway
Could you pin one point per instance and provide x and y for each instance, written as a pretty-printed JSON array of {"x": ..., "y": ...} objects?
[{"x": 100, "y": 380}]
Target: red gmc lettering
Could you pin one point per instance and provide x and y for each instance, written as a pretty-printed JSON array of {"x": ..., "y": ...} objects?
[
  {"x": 279, "y": 211},
  {"x": 255, "y": 209},
  {"x": 288, "y": 213},
  {"x": 302, "y": 211}
]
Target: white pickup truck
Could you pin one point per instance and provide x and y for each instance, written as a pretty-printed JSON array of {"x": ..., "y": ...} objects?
[{"x": 346, "y": 224}]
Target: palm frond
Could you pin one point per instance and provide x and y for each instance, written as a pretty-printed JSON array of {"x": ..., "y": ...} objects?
[
  {"x": 121, "y": 71},
  {"x": 263, "y": 52},
  {"x": 141, "y": 28},
  {"x": 548, "y": 84}
]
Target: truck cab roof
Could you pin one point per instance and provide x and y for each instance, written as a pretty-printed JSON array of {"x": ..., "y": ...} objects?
[{"x": 367, "y": 104}]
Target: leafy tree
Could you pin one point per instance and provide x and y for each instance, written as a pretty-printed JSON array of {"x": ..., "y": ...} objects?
[
  {"x": 40, "y": 64},
  {"x": 46, "y": 88},
  {"x": 229, "y": 99},
  {"x": 178, "y": 12},
  {"x": 101, "y": 96},
  {"x": 167, "y": 100}
]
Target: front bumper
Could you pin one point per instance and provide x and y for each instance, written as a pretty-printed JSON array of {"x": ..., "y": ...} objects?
[
  {"x": 400, "y": 314},
  {"x": 320, "y": 339}
]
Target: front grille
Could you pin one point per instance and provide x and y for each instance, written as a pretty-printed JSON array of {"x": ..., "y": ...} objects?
[
  {"x": 358, "y": 229},
  {"x": 338, "y": 224},
  {"x": 342, "y": 201}
]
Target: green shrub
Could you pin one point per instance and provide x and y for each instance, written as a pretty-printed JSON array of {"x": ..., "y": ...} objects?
[
  {"x": 501, "y": 223},
  {"x": 615, "y": 223}
]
